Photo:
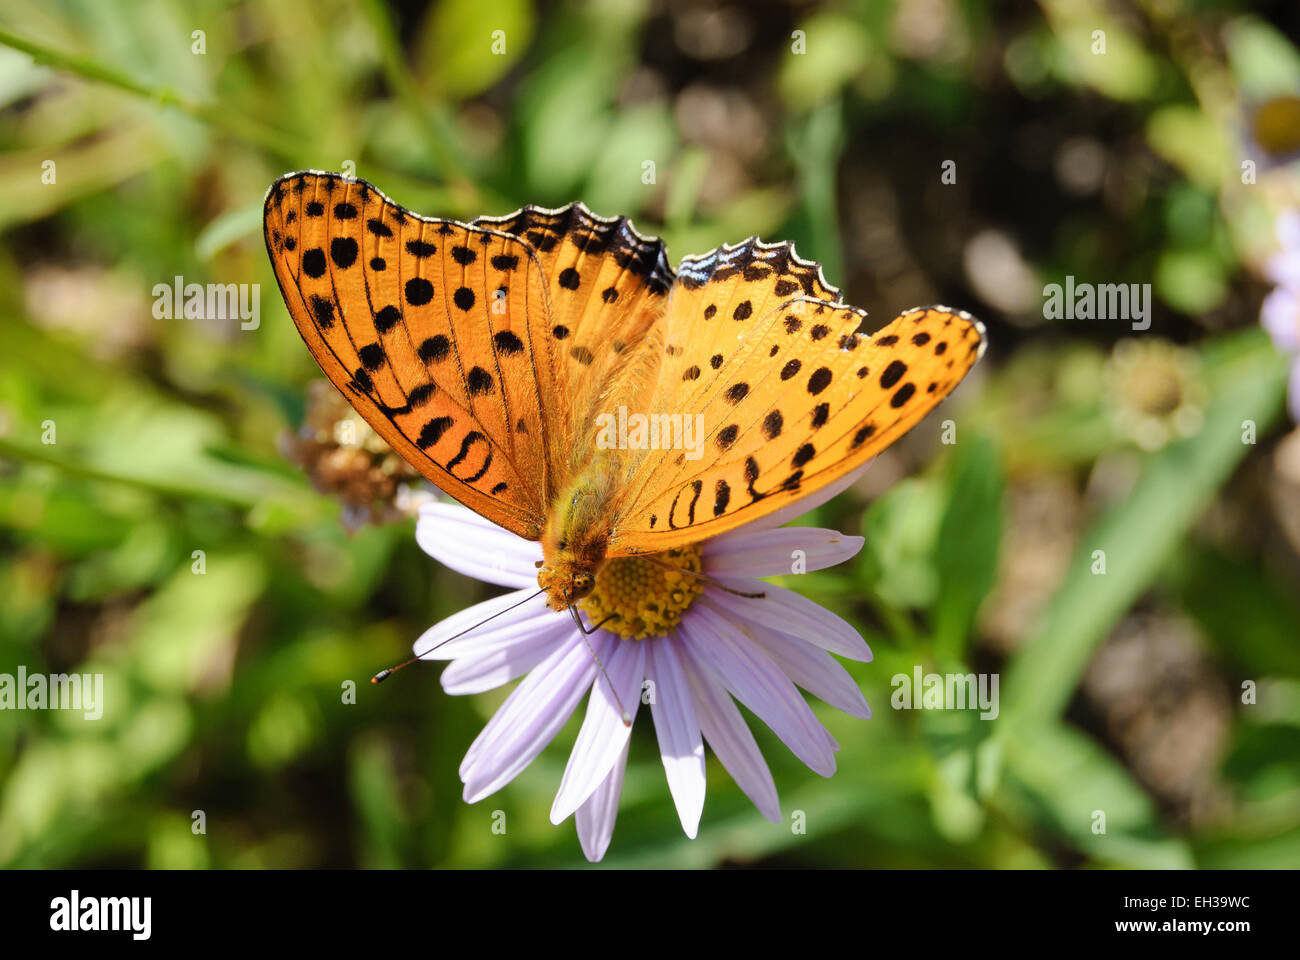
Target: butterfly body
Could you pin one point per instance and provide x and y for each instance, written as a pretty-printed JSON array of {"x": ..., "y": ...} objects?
[
  {"x": 577, "y": 534},
  {"x": 486, "y": 353}
]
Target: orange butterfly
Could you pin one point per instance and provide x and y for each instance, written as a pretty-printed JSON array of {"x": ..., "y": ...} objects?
[{"x": 487, "y": 353}]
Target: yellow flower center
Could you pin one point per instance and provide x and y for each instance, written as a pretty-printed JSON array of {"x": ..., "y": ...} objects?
[{"x": 649, "y": 594}]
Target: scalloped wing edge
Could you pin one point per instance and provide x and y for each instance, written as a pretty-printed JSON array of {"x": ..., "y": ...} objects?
[{"x": 692, "y": 269}]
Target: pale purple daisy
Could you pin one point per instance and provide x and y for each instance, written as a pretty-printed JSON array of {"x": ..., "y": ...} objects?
[
  {"x": 721, "y": 645},
  {"x": 1279, "y": 314}
]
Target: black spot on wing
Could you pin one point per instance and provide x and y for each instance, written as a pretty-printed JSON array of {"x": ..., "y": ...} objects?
[
  {"x": 323, "y": 309},
  {"x": 695, "y": 486},
  {"x": 721, "y": 497},
  {"x": 508, "y": 343},
  {"x": 893, "y": 373},
  {"x": 432, "y": 432}
]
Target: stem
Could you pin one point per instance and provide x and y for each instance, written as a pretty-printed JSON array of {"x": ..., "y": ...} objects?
[
  {"x": 241, "y": 127},
  {"x": 242, "y": 499},
  {"x": 464, "y": 194}
]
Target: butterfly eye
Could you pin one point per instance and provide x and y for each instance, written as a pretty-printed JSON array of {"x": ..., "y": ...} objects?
[{"x": 583, "y": 584}]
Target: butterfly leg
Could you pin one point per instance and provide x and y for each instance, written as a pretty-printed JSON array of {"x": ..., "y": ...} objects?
[
  {"x": 757, "y": 595},
  {"x": 626, "y": 717},
  {"x": 573, "y": 612}
]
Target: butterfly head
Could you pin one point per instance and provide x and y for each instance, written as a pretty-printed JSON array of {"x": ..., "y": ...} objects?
[
  {"x": 565, "y": 582},
  {"x": 571, "y": 561}
]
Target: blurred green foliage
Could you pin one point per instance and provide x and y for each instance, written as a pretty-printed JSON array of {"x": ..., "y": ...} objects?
[{"x": 225, "y": 688}]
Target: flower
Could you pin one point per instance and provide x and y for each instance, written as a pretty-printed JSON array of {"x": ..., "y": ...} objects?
[
  {"x": 1272, "y": 134},
  {"x": 1279, "y": 314},
  {"x": 1154, "y": 391},
  {"x": 715, "y": 645},
  {"x": 343, "y": 455}
]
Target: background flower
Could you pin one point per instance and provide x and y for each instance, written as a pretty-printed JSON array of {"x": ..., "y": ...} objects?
[{"x": 1280, "y": 312}]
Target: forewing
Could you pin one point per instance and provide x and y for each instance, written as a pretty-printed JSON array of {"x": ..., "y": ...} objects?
[{"x": 430, "y": 328}]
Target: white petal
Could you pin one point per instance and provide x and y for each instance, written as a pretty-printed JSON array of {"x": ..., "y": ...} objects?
[
  {"x": 1279, "y": 314},
  {"x": 1288, "y": 230},
  {"x": 604, "y": 736},
  {"x": 595, "y": 818},
  {"x": 730, "y": 738},
  {"x": 1293, "y": 390},
  {"x": 1283, "y": 269},
  {"x": 804, "y": 504},
  {"x": 771, "y": 553},
  {"x": 480, "y": 672},
  {"x": 529, "y": 719},
  {"x": 754, "y": 678},
  {"x": 815, "y": 670},
  {"x": 505, "y": 620},
  {"x": 478, "y": 548},
  {"x": 789, "y": 612},
  {"x": 680, "y": 744}
]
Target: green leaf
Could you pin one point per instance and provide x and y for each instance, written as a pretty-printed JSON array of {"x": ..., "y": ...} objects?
[
  {"x": 1263, "y": 61},
  {"x": 373, "y": 783},
  {"x": 836, "y": 47},
  {"x": 901, "y": 527},
  {"x": 966, "y": 554},
  {"x": 953, "y": 740},
  {"x": 1249, "y": 619},
  {"x": 183, "y": 627},
  {"x": 565, "y": 120},
  {"x": 1192, "y": 141},
  {"x": 1069, "y": 783},
  {"x": 230, "y": 227},
  {"x": 466, "y": 46},
  {"x": 1193, "y": 281},
  {"x": 684, "y": 187},
  {"x": 815, "y": 149},
  {"x": 638, "y": 135},
  {"x": 1126, "y": 71},
  {"x": 1280, "y": 852}
]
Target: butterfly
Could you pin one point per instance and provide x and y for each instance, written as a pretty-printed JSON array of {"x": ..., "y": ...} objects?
[{"x": 486, "y": 353}]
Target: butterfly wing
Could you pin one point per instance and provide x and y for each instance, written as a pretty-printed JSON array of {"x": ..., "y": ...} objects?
[
  {"x": 431, "y": 330},
  {"x": 606, "y": 287},
  {"x": 791, "y": 396},
  {"x": 483, "y": 352}
]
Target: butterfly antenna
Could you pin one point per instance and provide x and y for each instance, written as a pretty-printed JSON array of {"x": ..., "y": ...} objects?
[
  {"x": 584, "y": 632},
  {"x": 707, "y": 579},
  {"x": 383, "y": 675}
]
